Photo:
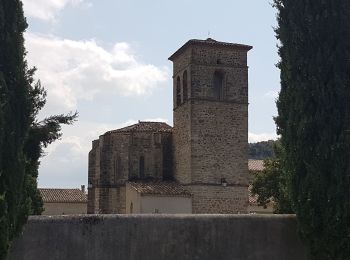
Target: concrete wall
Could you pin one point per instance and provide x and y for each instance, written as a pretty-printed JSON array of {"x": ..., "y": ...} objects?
[
  {"x": 171, "y": 237},
  {"x": 134, "y": 198},
  {"x": 167, "y": 205},
  {"x": 254, "y": 209},
  {"x": 64, "y": 208},
  {"x": 142, "y": 204}
]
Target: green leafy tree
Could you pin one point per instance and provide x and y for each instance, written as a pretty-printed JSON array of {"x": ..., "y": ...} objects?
[
  {"x": 261, "y": 150},
  {"x": 314, "y": 120},
  {"x": 271, "y": 184},
  {"x": 22, "y": 137}
]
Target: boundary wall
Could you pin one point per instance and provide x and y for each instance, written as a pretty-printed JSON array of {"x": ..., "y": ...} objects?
[{"x": 160, "y": 237}]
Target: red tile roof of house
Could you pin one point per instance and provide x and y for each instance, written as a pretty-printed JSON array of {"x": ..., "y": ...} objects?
[
  {"x": 255, "y": 165},
  {"x": 166, "y": 189},
  {"x": 63, "y": 195},
  {"x": 143, "y": 126}
]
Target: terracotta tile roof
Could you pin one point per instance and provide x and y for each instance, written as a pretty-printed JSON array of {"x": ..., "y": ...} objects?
[
  {"x": 209, "y": 42},
  {"x": 170, "y": 189},
  {"x": 255, "y": 165},
  {"x": 143, "y": 126},
  {"x": 63, "y": 195}
]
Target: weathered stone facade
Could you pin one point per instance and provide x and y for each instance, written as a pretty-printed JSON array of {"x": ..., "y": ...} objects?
[
  {"x": 211, "y": 124},
  {"x": 137, "y": 152},
  {"x": 214, "y": 199},
  {"x": 207, "y": 149}
]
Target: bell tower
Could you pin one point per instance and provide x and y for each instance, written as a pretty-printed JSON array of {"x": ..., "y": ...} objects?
[{"x": 210, "y": 84}]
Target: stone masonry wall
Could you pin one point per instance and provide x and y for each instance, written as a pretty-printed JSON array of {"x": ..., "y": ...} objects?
[
  {"x": 222, "y": 56},
  {"x": 96, "y": 194},
  {"x": 235, "y": 82},
  {"x": 93, "y": 177},
  {"x": 150, "y": 146},
  {"x": 109, "y": 167},
  {"x": 182, "y": 62},
  {"x": 219, "y": 138},
  {"x": 115, "y": 158},
  {"x": 211, "y": 130},
  {"x": 216, "y": 199},
  {"x": 117, "y": 200},
  {"x": 182, "y": 143}
]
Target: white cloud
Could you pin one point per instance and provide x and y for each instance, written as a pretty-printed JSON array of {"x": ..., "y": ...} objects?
[
  {"x": 253, "y": 138},
  {"x": 72, "y": 70},
  {"x": 47, "y": 9}
]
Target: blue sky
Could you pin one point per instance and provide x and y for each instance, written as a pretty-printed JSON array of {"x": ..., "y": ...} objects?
[{"x": 108, "y": 59}]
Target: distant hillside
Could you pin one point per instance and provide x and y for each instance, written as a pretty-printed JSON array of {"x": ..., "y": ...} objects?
[{"x": 261, "y": 150}]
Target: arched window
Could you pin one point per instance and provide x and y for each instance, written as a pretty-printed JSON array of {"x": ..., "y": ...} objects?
[
  {"x": 142, "y": 167},
  {"x": 218, "y": 85},
  {"x": 178, "y": 91},
  {"x": 184, "y": 87}
]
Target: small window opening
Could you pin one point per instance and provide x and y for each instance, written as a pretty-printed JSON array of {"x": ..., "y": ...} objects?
[
  {"x": 218, "y": 85},
  {"x": 142, "y": 167},
  {"x": 178, "y": 92},
  {"x": 184, "y": 86}
]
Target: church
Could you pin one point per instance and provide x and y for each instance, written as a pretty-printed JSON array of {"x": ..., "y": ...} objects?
[{"x": 200, "y": 165}]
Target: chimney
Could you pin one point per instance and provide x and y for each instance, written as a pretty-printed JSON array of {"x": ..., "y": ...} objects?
[{"x": 83, "y": 188}]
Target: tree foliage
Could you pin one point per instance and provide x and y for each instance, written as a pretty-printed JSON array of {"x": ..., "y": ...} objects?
[
  {"x": 314, "y": 120},
  {"x": 271, "y": 184},
  {"x": 22, "y": 136},
  {"x": 261, "y": 150}
]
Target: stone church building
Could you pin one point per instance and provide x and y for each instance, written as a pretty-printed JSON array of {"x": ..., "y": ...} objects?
[{"x": 198, "y": 166}]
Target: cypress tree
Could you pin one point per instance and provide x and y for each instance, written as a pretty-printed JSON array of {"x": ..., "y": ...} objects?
[
  {"x": 314, "y": 119},
  {"x": 16, "y": 110},
  {"x": 22, "y": 136}
]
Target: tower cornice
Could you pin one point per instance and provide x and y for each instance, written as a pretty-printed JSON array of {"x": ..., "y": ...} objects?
[{"x": 211, "y": 43}]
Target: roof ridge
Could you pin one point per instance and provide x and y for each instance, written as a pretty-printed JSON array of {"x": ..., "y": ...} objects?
[
  {"x": 144, "y": 126},
  {"x": 63, "y": 195},
  {"x": 160, "y": 188}
]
